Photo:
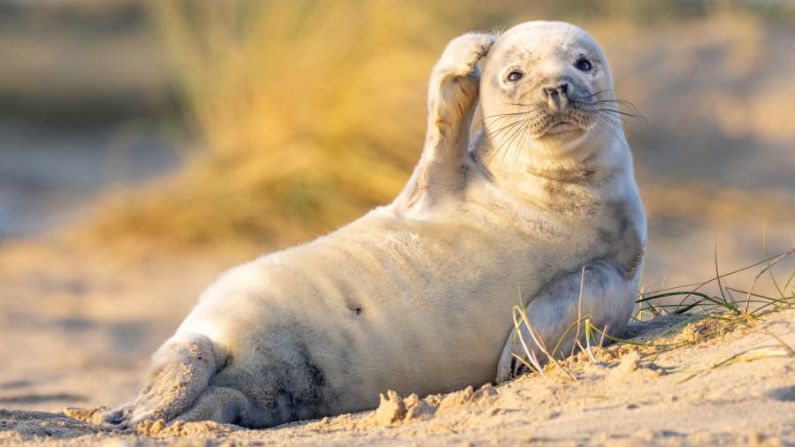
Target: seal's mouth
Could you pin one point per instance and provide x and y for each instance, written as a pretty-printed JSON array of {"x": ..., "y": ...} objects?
[
  {"x": 562, "y": 127},
  {"x": 574, "y": 120}
]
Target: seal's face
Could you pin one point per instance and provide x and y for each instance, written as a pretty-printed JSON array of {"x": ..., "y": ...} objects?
[{"x": 545, "y": 82}]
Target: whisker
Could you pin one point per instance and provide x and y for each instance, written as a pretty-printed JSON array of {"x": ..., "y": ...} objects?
[
  {"x": 502, "y": 120},
  {"x": 515, "y": 135},
  {"x": 635, "y": 116},
  {"x": 613, "y": 125},
  {"x": 506, "y": 146},
  {"x": 509, "y": 142},
  {"x": 518, "y": 147},
  {"x": 536, "y": 106},
  {"x": 505, "y": 114},
  {"x": 502, "y": 129},
  {"x": 600, "y": 92},
  {"x": 615, "y": 120},
  {"x": 622, "y": 102},
  {"x": 617, "y": 123}
]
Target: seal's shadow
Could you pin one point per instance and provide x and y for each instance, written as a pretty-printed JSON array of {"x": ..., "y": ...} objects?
[{"x": 645, "y": 331}]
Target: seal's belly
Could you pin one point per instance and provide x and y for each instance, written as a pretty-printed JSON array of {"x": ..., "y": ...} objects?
[{"x": 418, "y": 310}]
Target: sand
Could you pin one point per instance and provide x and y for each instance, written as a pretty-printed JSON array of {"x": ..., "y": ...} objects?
[{"x": 78, "y": 328}]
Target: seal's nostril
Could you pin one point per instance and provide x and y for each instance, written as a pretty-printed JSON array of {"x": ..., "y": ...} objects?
[{"x": 557, "y": 91}]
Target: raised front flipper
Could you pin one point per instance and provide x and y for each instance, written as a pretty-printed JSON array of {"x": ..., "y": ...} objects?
[{"x": 452, "y": 95}]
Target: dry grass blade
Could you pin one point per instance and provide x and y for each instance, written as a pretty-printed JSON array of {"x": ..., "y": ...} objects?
[
  {"x": 750, "y": 355},
  {"x": 520, "y": 320},
  {"x": 710, "y": 304},
  {"x": 579, "y": 312},
  {"x": 698, "y": 285},
  {"x": 534, "y": 364},
  {"x": 786, "y": 346}
]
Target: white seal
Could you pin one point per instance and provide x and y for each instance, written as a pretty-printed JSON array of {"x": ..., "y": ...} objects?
[{"x": 417, "y": 296}]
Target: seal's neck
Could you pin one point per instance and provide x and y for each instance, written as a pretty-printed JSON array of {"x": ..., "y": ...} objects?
[{"x": 527, "y": 166}]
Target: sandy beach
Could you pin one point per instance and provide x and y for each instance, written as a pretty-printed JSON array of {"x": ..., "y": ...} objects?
[{"x": 76, "y": 337}]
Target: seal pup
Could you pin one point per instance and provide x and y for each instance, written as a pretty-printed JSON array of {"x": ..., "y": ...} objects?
[{"x": 416, "y": 296}]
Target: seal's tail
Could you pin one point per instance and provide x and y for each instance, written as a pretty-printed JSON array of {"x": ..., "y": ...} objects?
[{"x": 181, "y": 370}]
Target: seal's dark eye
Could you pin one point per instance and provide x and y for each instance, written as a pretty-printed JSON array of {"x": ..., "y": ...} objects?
[
  {"x": 514, "y": 76},
  {"x": 583, "y": 64}
]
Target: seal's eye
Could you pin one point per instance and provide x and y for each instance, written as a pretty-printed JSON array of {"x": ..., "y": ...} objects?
[
  {"x": 583, "y": 64},
  {"x": 514, "y": 76}
]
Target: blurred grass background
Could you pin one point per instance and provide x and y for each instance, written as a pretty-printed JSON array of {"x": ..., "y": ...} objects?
[
  {"x": 145, "y": 146},
  {"x": 259, "y": 124}
]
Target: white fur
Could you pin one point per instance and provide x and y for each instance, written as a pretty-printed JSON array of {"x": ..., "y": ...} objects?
[{"x": 434, "y": 274}]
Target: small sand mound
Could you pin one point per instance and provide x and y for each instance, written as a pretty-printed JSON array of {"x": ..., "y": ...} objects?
[
  {"x": 393, "y": 409},
  {"x": 629, "y": 363},
  {"x": 706, "y": 329},
  {"x": 90, "y": 415},
  {"x": 204, "y": 429}
]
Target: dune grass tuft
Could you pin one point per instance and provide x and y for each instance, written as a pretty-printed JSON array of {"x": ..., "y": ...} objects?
[
  {"x": 703, "y": 316},
  {"x": 300, "y": 112}
]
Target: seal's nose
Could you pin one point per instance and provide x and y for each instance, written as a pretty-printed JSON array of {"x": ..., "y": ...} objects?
[
  {"x": 557, "y": 96},
  {"x": 562, "y": 89}
]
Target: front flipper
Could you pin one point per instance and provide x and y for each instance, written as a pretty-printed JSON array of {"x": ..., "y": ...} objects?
[
  {"x": 223, "y": 405},
  {"x": 607, "y": 300},
  {"x": 452, "y": 95}
]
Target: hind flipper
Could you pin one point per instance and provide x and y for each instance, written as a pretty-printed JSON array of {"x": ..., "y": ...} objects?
[
  {"x": 180, "y": 372},
  {"x": 222, "y": 404}
]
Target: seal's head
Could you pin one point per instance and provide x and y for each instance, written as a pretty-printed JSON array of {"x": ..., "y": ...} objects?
[{"x": 546, "y": 85}]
